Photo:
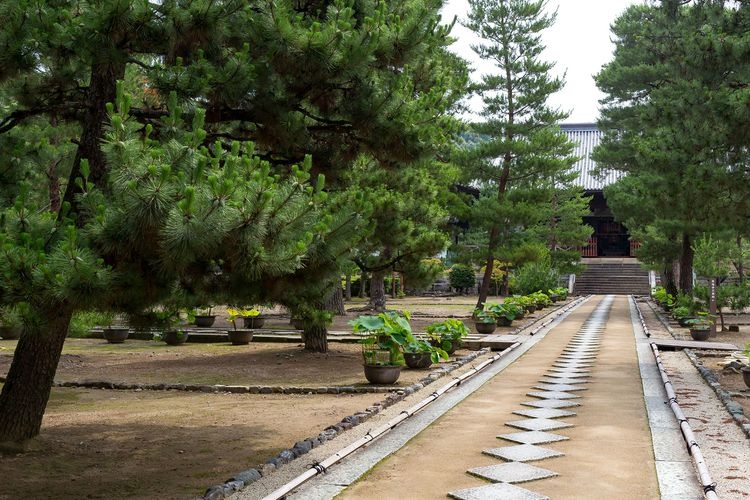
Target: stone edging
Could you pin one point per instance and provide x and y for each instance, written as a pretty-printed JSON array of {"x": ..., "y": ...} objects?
[
  {"x": 246, "y": 477},
  {"x": 734, "y": 409}
]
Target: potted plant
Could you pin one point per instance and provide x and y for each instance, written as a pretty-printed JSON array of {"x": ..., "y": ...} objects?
[
  {"x": 202, "y": 316},
  {"x": 700, "y": 327},
  {"x": 558, "y": 293},
  {"x": 12, "y": 326},
  {"x": 664, "y": 299},
  {"x": 115, "y": 334},
  {"x": 448, "y": 334},
  {"x": 504, "y": 313},
  {"x": 541, "y": 299},
  {"x": 520, "y": 309},
  {"x": 253, "y": 318},
  {"x": 682, "y": 314},
  {"x": 484, "y": 321},
  {"x": 420, "y": 354},
  {"x": 239, "y": 336},
  {"x": 382, "y": 348},
  {"x": 169, "y": 320}
]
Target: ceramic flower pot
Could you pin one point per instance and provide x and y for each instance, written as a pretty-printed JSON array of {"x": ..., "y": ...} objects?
[
  {"x": 205, "y": 321},
  {"x": 418, "y": 360},
  {"x": 116, "y": 334},
  {"x": 382, "y": 374},
  {"x": 241, "y": 336}
]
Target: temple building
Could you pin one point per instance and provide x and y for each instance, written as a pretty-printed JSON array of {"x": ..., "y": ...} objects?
[{"x": 610, "y": 238}]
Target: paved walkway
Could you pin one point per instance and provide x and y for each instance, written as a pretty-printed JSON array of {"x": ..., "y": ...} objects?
[{"x": 598, "y": 445}]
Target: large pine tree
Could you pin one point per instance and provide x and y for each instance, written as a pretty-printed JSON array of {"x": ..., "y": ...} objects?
[
  {"x": 522, "y": 155},
  {"x": 160, "y": 199}
]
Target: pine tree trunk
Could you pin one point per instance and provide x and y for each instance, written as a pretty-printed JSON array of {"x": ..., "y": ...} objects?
[
  {"x": 740, "y": 264},
  {"x": 362, "y": 283},
  {"x": 484, "y": 290},
  {"x": 335, "y": 302},
  {"x": 348, "y": 292},
  {"x": 377, "y": 291},
  {"x": 686, "y": 265},
  {"x": 101, "y": 90},
  {"x": 670, "y": 282},
  {"x": 316, "y": 338},
  {"x": 29, "y": 382},
  {"x": 394, "y": 292}
]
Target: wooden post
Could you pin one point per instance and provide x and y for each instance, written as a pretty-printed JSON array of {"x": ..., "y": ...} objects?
[{"x": 712, "y": 306}]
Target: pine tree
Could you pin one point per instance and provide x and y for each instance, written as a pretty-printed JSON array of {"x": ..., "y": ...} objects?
[
  {"x": 521, "y": 148},
  {"x": 278, "y": 81}
]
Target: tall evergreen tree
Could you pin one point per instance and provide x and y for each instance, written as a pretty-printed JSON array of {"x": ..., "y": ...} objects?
[
  {"x": 523, "y": 148},
  {"x": 670, "y": 122}
]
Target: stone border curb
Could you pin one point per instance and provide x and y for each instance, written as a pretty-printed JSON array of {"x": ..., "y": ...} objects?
[
  {"x": 246, "y": 477},
  {"x": 732, "y": 407}
]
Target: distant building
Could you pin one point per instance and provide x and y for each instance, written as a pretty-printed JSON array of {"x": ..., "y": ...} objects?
[{"x": 610, "y": 238}]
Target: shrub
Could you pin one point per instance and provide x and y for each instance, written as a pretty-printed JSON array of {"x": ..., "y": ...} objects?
[
  {"x": 461, "y": 277},
  {"x": 533, "y": 277}
]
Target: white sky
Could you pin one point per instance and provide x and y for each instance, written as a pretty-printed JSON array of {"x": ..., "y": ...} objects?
[{"x": 579, "y": 43}]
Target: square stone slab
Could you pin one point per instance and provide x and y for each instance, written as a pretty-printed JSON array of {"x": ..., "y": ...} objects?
[
  {"x": 496, "y": 491},
  {"x": 548, "y": 380},
  {"x": 551, "y": 403},
  {"x": 566, "y": 374},
  {"x": 581, "y": 350},
  {"x": 577, "y": 357},
  {"x": 552, "y": 395},
  {"x": 533, "y": 437},
  {"x": 573, "y": 365},
  {"x": 522, "y": 453},
  {"x": 560, "y": 387},
  {"x": 511, "y": 472},
  {"x": 545, "y": 413},
  {"x": 539, "y": 424}
]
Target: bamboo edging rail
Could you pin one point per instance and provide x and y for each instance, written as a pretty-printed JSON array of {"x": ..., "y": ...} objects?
[{"x": 694, "y": 449}]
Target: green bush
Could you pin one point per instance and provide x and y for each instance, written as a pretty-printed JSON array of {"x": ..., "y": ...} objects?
[
  {"x": 461, "y": 277},
  {"x": 533, "y": 277},
  {"x": 82, "y": 322}
]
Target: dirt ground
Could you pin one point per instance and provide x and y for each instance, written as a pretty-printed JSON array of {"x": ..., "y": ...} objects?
[{"x": 170, "y": 444}]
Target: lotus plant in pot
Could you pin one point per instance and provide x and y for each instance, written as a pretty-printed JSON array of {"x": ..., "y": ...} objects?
[
  {"x": 253, "y": 319},
  {"x": 420, "y": 354},
  {"x": 504, "y": 313},
  {"x": 447, "y": 334},
  {"x": 239, "y": 336},
  {"x": 173, "y": 328},
  {"x": 203, "y": 316},
  {"x": 520, "y": 309},
  {"x": 682, "y": 315},
  {"x": 382, "y": 347},
  {"x": 114, "y": 334},
  {"x": 484, "y": 321},
  {"x": 700, "y": 327}
]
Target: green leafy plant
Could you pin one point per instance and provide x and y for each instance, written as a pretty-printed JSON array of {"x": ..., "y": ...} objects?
[
  {"x": 508, "y": 311},
  {"x": 540, "y": 299},
  {"x": 387, "y": 332},
  {"x": 703, "y": 321},
  {"x": 533, "y": 277},
  {"x": 661, "y": 296},
  {"x": 235, "y": 312},
  {"x": 482, "y": 316},
  {"x": 449, "y": 332},
  {"x": 461, "y": 277},
  {"x": 417, "y": 345},
  {"x": 681, "y": 312}
]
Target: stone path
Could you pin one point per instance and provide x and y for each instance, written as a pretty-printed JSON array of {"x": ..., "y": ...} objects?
[
  {"x": 570, "y": 415},
  {"x": 574, "y": 363}
]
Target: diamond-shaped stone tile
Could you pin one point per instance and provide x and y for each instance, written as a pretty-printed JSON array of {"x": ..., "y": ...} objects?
[
  {"x": 550, "y": 380},
  {"x": 496, "y": 491},
  {"x": 522, "y": 453},
  {"x": 553, "y": 395},
  {"x": 551, "y": 403},
  {"x": 533, "y": 437},
  {"x": 572, "y": 369},
  {"x": 545, "y": 413},
  {"x": 566, "y": 374},
  {"x": 560, "y": 387},
  {"x": 511, "y": 472},
  {"x": 539, "y": 424}
]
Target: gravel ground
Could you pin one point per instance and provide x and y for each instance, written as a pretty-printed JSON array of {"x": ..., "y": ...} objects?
[{"x": 725, "y": 448}]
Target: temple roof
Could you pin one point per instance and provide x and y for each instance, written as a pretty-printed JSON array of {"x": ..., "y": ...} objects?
[{"x": 587, "y": 136}]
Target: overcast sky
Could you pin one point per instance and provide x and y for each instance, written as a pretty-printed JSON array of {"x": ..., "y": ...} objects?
[{"x": 578, "y": 43}]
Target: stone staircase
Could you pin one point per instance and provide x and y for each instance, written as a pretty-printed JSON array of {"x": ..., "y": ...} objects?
[{"x": 612, "y": 276}]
